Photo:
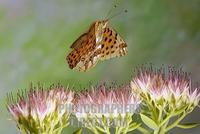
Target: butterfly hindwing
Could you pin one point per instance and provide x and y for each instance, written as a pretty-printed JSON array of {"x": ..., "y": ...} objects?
[
  {"x": 81, "y": 49},
  {"x": 80, "y": 41},
  {"x": 87, "y": 63}
]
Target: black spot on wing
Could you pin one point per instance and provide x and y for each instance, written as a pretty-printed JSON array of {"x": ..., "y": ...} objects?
[
  {"x": 102, "y": 46},
  {"x": 110, "y": 33},
  {"x": 105, "y": 39}
]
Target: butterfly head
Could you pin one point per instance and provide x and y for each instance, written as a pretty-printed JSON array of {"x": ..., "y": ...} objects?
[
  {"x": 99, "y": 28},
  {"x": 101, "y": 24}
]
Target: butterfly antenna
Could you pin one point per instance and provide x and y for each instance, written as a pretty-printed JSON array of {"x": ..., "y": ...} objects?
[
  {"x": 124, "y": 11},
  {"x": 111, "y": 9}
]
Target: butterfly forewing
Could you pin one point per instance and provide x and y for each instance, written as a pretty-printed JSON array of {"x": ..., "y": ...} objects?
[{"x": 112, "y": 44}]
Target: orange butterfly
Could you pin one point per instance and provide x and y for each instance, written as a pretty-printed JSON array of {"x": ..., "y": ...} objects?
[{"x": 100, "y": 42}]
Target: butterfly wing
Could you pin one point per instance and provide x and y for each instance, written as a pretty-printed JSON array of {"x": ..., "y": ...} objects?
[
  {"x": 79, "y": 41},
  {"x": 81, "y": 49},
  {"x": 91, "y": 58},
  {"x": 112, "y": 44},
  {"x": 88, "y": 62},
  {"x": 95, "y": 45}
]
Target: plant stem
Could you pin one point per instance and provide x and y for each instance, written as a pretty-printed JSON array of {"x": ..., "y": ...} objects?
[
  {"x": 176, "y": 122},
  {"x": 94, "y": 130},
  {"x": 125, "y": 130},
  {"x": 166, "y": 119},
  {"x": 162, "y": 129},
  {"x": 107, "y": 129},
  {"x": 118, "y": 130},
  {"x": 143, "y": 130},
  {"x": 155, "y": 131}
]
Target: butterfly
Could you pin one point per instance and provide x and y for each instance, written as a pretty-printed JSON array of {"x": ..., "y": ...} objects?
[{"x": 100, "y": 42}]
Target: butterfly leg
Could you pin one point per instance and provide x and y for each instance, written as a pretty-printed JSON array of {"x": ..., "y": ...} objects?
[
  {"x": 81, "y": 64},
  {"x": 86, "y": 64},
  {"x": 94, "y": 57},
  {"x": 92, "y": 60}
]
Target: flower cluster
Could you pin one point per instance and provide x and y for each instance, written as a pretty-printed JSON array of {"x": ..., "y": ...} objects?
[
  {"x": 170, "y": 85},
  {"x": 39, "y": 111},
  {"x": 108, "y": 102},
  {"x": 102, "y": 107},
  {"x": 157, "y": 95},
  {"x": 167, "y": 94}
]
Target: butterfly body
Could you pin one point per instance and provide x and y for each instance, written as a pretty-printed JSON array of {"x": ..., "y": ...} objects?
[{"x": 100, "y": 42}]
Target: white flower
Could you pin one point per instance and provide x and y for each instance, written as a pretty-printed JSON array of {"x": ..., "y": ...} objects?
[
  {"x": 41, "y": 108},
  {"x": 170, "y": 85}
]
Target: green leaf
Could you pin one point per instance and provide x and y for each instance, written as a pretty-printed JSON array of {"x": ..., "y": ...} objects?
[
  {"x": 181, "y": 110},
  {"x": 100, "y": 129},
  {"x": 133, "y": 127},
  {"x": 187, "y": 125},
  {"x": 104, "y": 120},
  {"x": 79, "y": 131},
  {"x": 149, "y": 122}
]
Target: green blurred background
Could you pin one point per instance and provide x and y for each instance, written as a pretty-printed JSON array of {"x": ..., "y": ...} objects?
[{"x": 35, "y": 36}]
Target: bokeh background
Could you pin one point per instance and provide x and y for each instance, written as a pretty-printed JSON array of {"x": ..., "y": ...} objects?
[{"x": 35, "y": 36}]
